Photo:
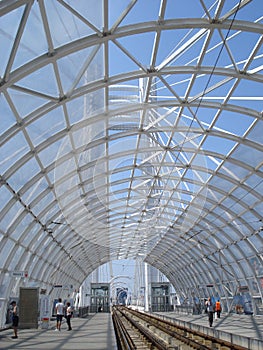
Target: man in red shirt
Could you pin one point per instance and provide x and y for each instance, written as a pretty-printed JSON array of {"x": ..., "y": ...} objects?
[{"x": 218, "y": 308}]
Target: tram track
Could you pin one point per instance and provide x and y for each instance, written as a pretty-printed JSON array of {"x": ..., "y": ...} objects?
[{"x": 138, "y": 331}]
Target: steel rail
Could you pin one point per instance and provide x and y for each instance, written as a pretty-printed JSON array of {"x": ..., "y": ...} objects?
[{"x": 194, "y": 339}]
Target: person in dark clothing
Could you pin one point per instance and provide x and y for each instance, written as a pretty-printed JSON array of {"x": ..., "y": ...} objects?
[
  {"x": 69, "y": 313},
  {"x": 15, "y": 318},
  {"x": 210, "y": 311}
]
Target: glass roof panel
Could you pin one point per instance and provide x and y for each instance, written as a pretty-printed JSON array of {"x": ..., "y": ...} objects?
[
  {"x": 34, "y": 190},
  {"x": 8, "y": 246},
  {"x": 230, "y": 258},
  {"x": 216, "y": 144},
  {"x": 6, "y": 196},
  {"x": 13, "y": 150},
  {"x": 256, "y": 133},
  {"x": 38, "y": 130},
  {"x": 48, "y": 84},
  {"x": 25, "y": 173},
  {"x": 234, "y": 171},
  {"x": 47, "y": 155},
  {"x": 61, "y": 19},
  {"x": 245, "y": 247},
  {"x": 140, "y": 12},
  {"x": 243, "y": 195},
  {"x": 95, "y": 16},
  {"x": 18, "y": 98},
  {"x": 31, "y": 46},
  {"x": 21, "y": 226},
  {"x": 7, "y": 118},
  {"x": 43, "y": 203},
  {"x": 9, "y": 26},
  {"x": 233, "y": 123},
  {"x": 247, "y": 155},
  {"x": 225, "y": 185}
]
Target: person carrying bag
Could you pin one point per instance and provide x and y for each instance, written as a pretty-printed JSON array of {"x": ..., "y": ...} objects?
[{"x": 210, "y": 311}]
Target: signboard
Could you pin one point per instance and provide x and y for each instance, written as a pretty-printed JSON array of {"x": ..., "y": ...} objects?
[
  {"x": 44, "y": 311},
  {"x": 19, "y": 274}
]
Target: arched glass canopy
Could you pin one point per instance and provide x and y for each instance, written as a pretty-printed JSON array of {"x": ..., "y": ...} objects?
[{"x": 132, "y": 129}]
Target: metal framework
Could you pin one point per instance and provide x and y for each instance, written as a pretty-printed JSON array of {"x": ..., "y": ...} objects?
[{"x": 131, "y": 131}]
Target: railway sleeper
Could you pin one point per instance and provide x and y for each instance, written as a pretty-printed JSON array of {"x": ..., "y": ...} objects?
[
  {"x": 178, "y": 340},
  {"x": 156, "y": 337},
  {"x": 208, "y": 341},
  {"x": 166, "y": 331},
  {"x": 173, "y": 342}
]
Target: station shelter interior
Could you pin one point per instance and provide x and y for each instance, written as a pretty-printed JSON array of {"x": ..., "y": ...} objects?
[{"x": 131, "y": 132}]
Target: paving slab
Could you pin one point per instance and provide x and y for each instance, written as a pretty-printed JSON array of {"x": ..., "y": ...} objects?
[
  {"x": 239, "y": 324},
  {"x": 95, "y": 332}
]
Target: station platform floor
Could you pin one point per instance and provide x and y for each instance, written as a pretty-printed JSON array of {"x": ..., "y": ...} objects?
[
  {"x": 243, "y": 325},
  {"x": 240, "y": 328},
  {"x": 96, "y": 332}
]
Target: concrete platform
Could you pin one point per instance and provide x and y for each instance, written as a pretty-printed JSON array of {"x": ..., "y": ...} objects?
[
  {"x": 92, "y": 333},
  {"x": 245, "y": 330},
  {"x": 96, "y": 332}
]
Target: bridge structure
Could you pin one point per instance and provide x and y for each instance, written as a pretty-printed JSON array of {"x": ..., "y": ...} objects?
[{"x": 131, "y": 132}]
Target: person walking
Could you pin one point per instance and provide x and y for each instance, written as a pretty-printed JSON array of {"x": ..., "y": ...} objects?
[
  {"x": 15, "y": 318},
  {"x": 69, "y": 312},
  {"x": 60, "y": 313},
  {"x": 210, "y": 311},
  {"x": 218, "y": 308}
]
